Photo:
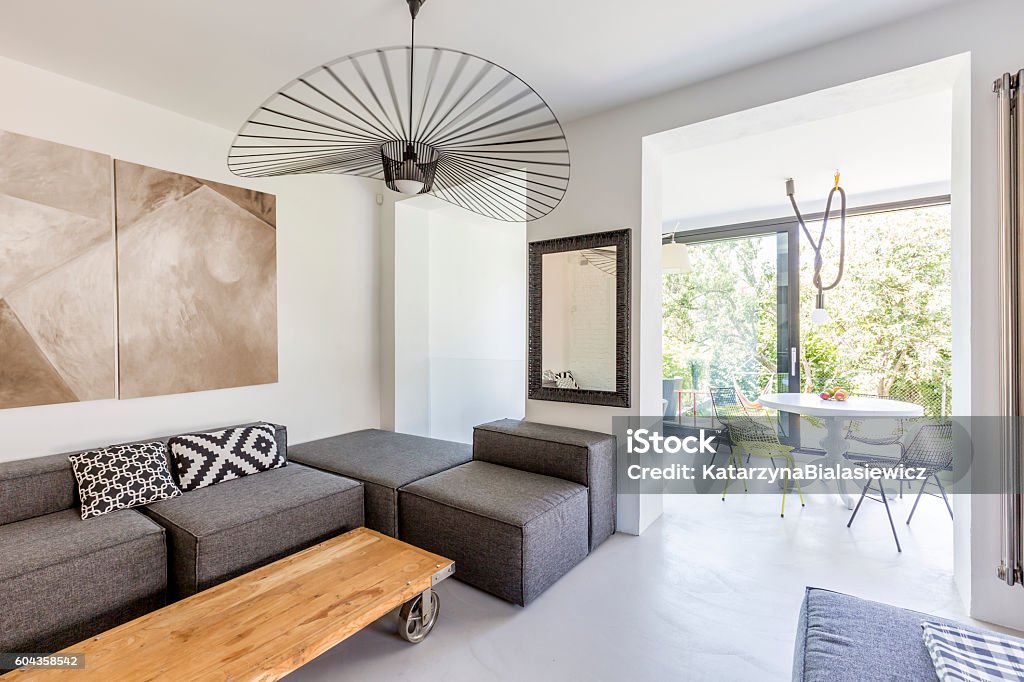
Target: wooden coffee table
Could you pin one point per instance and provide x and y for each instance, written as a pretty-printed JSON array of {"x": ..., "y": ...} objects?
[{"x": 267, "y": 623}]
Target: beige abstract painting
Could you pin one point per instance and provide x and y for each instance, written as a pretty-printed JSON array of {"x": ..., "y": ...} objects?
[
  {"x": 57, "y": 290},
  {"x": 197, "y": 283}
]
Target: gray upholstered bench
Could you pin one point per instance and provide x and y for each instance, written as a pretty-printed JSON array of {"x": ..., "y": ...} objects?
[
  {"x": 522, "y": 513},
  {"x": 383, "y": 461}
]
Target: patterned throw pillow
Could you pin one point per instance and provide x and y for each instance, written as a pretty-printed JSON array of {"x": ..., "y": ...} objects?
[
  {"x": 964, "y": 655},
  {"x": 202, "y": 459},
  {"x": 566, "y": 380},
  {"x": 122, "y": 476}
]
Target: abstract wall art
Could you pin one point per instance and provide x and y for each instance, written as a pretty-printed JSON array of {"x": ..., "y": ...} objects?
[
  {"x": 197, "y": 283},
  {"x": 56, "y": 273},
  {"x": 121, "y": 280}
]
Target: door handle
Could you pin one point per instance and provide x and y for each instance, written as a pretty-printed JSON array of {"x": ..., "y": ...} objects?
[{"x": 792, "y": 361}]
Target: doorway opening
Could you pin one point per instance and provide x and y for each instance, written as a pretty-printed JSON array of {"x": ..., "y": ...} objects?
[{"x": 736, "y": 311}]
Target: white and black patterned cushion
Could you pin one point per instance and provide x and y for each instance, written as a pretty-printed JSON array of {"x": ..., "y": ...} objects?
[
  {"x": 967, "y": 655},
  {"x": 202, "y": 459},
  {"x": 566, "y": 380},
  {"x": 122, "y": 476}
]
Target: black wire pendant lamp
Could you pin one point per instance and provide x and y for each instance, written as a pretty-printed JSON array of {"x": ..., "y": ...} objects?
[{"x": 424, "y": 120}]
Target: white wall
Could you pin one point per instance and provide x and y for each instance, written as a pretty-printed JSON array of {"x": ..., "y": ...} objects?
[
  {"x": 460, "y": 311},
  {"x": 605, "y": 193},
  {"x": 328, "y": 287},
  {"x": 412, "y": 321}
]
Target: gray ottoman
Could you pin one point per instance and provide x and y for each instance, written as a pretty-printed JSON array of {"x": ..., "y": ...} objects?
[
  {"x": 584, "y": 457},
  {"x": 511, "y": 533},
  {"x": 383, "y": 461}
]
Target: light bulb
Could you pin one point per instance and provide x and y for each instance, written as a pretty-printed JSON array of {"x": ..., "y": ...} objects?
[
  {"x": 409, "y": 186},
  {"x": 410, "y": 178},
  {"x": 819, "y": 316}
]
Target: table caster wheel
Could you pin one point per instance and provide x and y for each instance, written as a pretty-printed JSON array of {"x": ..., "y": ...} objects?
[{"x": 412, "y": 626}]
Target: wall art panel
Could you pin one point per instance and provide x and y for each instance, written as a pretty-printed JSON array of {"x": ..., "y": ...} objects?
[
  {"x": 197, "y": 283},
  {"x": 57, "y": 292}
]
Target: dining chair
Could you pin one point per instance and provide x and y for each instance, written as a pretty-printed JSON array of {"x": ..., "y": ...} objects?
[
  {"x": 748, "y": 433},
  {"x": 930, "y": 451}
]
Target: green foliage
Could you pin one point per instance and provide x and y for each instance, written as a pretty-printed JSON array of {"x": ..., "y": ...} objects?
[
  {"x": 890, "y": 332},
  {"x": 717, "y": 318}
]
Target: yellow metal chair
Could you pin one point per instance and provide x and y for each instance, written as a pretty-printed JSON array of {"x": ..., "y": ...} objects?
[{"x": 754, "y": 435}]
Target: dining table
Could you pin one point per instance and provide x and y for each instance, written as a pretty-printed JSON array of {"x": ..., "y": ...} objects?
[{"x": 837, "y": 414}]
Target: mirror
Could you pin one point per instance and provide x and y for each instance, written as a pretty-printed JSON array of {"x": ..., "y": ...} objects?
[{"x": 579, "y": 319}]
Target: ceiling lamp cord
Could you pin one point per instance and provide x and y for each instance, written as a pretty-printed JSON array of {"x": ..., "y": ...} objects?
[{"x": 820, "y": 315}]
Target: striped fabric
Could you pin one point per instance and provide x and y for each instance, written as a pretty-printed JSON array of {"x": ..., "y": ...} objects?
[{"x": 972, "y": 656}]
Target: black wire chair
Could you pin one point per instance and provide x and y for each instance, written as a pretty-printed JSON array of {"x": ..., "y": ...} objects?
[
  {"x": 855, "y": 430},
  {"x": 930, "y": 452},
  {"x": 892, "y": 435}
]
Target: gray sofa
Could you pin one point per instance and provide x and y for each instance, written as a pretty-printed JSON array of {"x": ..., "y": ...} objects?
[
  {"x": 63, "y": 579},
  {"x": 845, "y": 639},
  {"x": 516, "y": 511}
]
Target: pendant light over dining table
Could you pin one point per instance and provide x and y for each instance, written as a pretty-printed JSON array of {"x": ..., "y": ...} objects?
[{"x": 426, "y": 120}]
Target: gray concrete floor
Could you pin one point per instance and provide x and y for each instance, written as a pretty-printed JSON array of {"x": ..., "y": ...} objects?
[{"x": 710, "y": 592}]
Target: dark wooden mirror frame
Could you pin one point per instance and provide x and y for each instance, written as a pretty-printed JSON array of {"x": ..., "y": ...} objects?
[{"x": 620, "y": 239}]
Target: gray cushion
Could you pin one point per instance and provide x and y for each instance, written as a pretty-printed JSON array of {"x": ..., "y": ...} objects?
[
  {"x": 845, "y": 639},
  {"x": 512, "y": 533},
  {"x": 384, "y": 461},
  {"x": 584, "y": 457},
  {"x": 34, "y": 487},
  {"x": 63, "y": 579},
  {"x": 224, "y": 530}
]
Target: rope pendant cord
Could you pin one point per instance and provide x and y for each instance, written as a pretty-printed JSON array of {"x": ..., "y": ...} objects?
[{"x": 820, "y": 242}]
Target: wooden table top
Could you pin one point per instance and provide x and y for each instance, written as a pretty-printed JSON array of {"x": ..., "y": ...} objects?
[{"x": 264, "y": 624}]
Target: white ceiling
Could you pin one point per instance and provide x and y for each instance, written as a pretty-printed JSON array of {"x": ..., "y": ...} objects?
[
  {"x": 216, "y": 60},
  {"x": 889, "y": 136}
]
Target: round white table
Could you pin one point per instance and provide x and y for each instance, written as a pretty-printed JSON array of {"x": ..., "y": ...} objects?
[{"x": 836, "y": 413}]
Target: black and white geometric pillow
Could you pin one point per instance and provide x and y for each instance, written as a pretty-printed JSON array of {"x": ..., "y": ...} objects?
[
  {"x": 122, "y": 476},
  {"x": 202, "y": 459},
  {"x": 566, "y": 380}
]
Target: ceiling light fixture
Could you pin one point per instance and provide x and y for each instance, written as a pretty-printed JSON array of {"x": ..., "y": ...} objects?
[
  {"x": 424, "y": 120},
  {"x": 675, "y": 256},
  {"x": 819, "y": 315}
]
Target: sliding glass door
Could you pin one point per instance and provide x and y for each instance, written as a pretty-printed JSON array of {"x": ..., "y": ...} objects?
[{"x": 730, "y": 322}]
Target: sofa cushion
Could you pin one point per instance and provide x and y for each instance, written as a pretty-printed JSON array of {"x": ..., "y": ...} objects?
[
  {"x": 222, "y": 531},
  {"x": 846, "y": 639},
  {"x": 63, "y": 579},
  {"x": 36, "y": 486},
  {"x": 512, "y": 533},
  {"x": 584, "y": 457},
  {"x": 384, "y": 461},
  {"x": 202, "y": 459},
  {"x": 122, "y": 476}
]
